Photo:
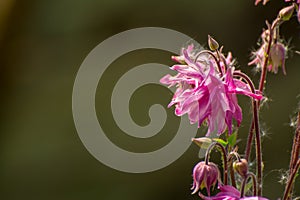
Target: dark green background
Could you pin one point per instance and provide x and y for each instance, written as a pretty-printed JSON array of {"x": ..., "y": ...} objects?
[{"x": 43, "y": 44}]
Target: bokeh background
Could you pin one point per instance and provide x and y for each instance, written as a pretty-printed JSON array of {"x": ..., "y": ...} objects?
[{"x": 43, "y": 44}]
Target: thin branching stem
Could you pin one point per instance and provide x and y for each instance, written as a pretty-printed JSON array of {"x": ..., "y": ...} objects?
[
  {"x": 291, "y": 181},
  {"x": 249, "y": 174},
  {"x": 257, "y": 132},
  {"x": 214, "y": 57}
]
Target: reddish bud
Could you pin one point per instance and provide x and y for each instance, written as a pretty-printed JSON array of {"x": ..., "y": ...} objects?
[
  {"x": 205, "y": 176},
  {"x": 241, "y": 167}
]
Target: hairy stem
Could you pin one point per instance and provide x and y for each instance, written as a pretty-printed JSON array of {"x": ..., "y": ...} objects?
[
  {"x": 249, "y": 141},
  {"x": 249, "y": 174},
  {"x": 257, "y": 132},
  {"x": 224, "y": 154},
  {"x": 296, "y": 145},
  {"x": 262, "y": 80},
  {"x": 291, "y": 181},
  {"x": 295, "y": 152},
  {"x": 258, "y": 147}
]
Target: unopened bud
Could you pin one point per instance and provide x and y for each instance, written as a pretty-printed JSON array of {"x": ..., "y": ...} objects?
[
  {"x": 205, "y": 175},
  {"x": 212, "y": 43},
  {"x": 241, "y": 167},
  {"x": 286, "y": 13},
  {"x": 202, "y": 142}
]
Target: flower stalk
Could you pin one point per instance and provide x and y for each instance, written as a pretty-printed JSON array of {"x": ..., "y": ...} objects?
[
  {"x": 271, "y": 35},
  {"x": 290, "y": 182},
  {"x": 294, "y": 162},
  {"x": 224, "y": 155},
  {"x": 253, "y": 178},
  {"x": 259, "y": 171}
]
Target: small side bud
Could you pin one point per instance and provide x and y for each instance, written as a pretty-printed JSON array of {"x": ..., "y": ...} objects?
[
  {"x": 241, "y": 167},
  {"x": 212, "y": 43},
  {"x": 286, "y": 13},
  {"x": 202, "y": 142}
]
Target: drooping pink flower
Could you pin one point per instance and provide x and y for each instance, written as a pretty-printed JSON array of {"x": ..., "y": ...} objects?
[
  {"x": 205, "y": 176},
  {"x": 229, "y": 192},
  {"x": 259, "y": 56},
  {"x": 203, "y": 94},
  {"x": 276, "y": 59}
]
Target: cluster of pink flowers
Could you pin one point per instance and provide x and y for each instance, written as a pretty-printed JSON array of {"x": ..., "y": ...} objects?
[
  {"x": 207, "y": 175},
  {"x": 227, "y": 192},
  {"x": 207, "y": 85},
  {"x": 206, "y": 91},
  {"x": 277, "y": 55}
]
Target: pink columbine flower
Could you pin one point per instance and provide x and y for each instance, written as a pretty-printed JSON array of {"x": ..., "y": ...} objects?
[
  {"x": 205, "y": 176},
  {"x": 203, "y": 94},
  {"x": 259, "y": 56},
  {"x": 229, "y": 192},
  {"x": 277, "y": 57}
]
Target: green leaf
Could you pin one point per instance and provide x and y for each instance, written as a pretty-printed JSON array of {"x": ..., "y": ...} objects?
[
  {"x": 219, "y": 140},
  {"x": 232, "y": 139}
]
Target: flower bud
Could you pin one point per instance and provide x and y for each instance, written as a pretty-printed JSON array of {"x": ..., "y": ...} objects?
[
  {"x": 212, "y": 43},
  {"x": 205, "y": 176},
  {"x": 286, "y": 13},
  {"x": 202, "y": 142},
  {"x": 241, "y": 167}
]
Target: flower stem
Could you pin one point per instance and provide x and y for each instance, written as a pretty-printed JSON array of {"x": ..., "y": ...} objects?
[
  {"x": 215, "y": 58},
  {"x": 249, "y": 174},
  {"x": 224, "y": 154},
  {"x": 291, "y": 181},
  {"x": 257, "y": 132},
  {"x": 296, "y": 145},
  {"x": 233, "y": 183},
  {"x": 295, "y": 153},
  {"x": 262, "y": 82},
  {"x": 230, "y": 160},
  {"x": 258, "y": 147},
  {"x": 249, "y": 141}
]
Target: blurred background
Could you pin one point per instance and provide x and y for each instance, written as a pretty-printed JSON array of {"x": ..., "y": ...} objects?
[{"x": 43, "y": 44}]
